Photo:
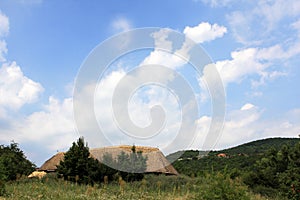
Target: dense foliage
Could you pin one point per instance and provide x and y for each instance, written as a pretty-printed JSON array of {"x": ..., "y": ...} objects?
[
  {"x": 221, "y": 186},
  {"x": 270, "y": 167},
  {"x": 13, "y": 163},
  {"x": 78, "y": 166},
  {"x": 278, "y": 171},
  {"x": 240, "y": 158}
]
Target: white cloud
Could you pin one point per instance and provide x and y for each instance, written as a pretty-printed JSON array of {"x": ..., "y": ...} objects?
[
  {"x": 161, "y": 39},
  {"x": 53, "y": 126},
  {"x": 204, "y": 32},
  {"x": 121, "y": 24},
  {"x": 252, "y": 61},
  {"x": 247, "y": 124},
  {"x": 247, "y": 106},
  {"x": 256, "y": 23},
  {"x": 4, "y": 24},
  {"x": 46, "y": 131},
  {"x": 243, "y": 63},
  {"x": 139, "y": 106},
  {"x": 165, "y": 55},
  {"x": 15, "y": 88},
  {"x": 159, "y": 57}
]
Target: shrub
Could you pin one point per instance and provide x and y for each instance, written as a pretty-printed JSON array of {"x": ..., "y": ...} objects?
[
  {"x": 2, "y": 188},
  {"x": 219, "y": 186}
]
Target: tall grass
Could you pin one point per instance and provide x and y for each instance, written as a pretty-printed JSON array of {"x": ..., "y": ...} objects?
[{"x": 151, "y": 187}]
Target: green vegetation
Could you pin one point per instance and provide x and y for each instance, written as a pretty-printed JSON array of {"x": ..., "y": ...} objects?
[
  {"x": 265, "y": 169},
  {"x": 13, "y": 163},
  {"x": 270, "y": 167},
  {"x": 240, "y": 158},
  {"x": 151, "y": 187},
  {"x": 277, "y": 172},
  {"x": 79, "y": 167}
]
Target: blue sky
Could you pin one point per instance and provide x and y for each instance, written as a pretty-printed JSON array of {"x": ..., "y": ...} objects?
[{"x": 254, "y": 44}]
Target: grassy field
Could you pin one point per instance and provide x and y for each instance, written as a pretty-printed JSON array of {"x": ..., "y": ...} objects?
[{"x": 152, "y": 187}]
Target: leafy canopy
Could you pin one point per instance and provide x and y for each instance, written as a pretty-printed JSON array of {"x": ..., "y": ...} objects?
[{"x": 13, "y": 162}]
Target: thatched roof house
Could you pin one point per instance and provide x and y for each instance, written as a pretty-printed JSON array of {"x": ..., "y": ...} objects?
[
  {"x": 50, "y": 164},
  {"x": 156, "y": 161}
]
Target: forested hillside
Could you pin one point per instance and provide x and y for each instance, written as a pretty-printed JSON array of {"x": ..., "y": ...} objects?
[
  {"x": 270, "y": 167},
  {"x": 241, "y": 157}
]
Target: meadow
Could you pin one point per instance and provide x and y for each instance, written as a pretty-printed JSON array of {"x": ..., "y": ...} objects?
[{"x": 215, "y": 186}]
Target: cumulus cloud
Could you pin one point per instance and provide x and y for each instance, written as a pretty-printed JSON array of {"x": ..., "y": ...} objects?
[
  {"x": 53, "y": 126},
  {"x": 204, "y": 32},
  {"x": 243, "y": 63},
  {"x": 252, "y": 61},
  {"x": 164, "y": 58},
  {"x": 164, "y": 52},
  {"x": 50, "y": 129},
  {"x": 15, "y": 88}
]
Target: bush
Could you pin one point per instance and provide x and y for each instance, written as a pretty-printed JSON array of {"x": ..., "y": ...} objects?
[
  {"x": 219, "y": 186},
  {"x": 2, "y": 188},
  {"x": 167, "y": 183}
]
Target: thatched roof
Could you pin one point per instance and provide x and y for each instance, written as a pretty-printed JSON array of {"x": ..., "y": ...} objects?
[
  {"x": 50, "y": 165},
  {"x": 156, "y": 161}
]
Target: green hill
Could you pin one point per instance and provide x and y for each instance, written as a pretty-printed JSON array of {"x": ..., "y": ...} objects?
[
  {"x": 261, "y": 146},
  {"x": 239, "y": 158}
]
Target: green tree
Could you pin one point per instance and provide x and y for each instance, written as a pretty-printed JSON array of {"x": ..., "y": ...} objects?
[
  {"x": 277, "y": 172},
  {"x": 13, "y": 162},
  {"x": 78, "y": 166}
]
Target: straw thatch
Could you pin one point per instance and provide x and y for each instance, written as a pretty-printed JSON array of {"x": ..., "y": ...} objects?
[
  {"x": 156, "y": 161},
  {"x": 51, "y": 164}
]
